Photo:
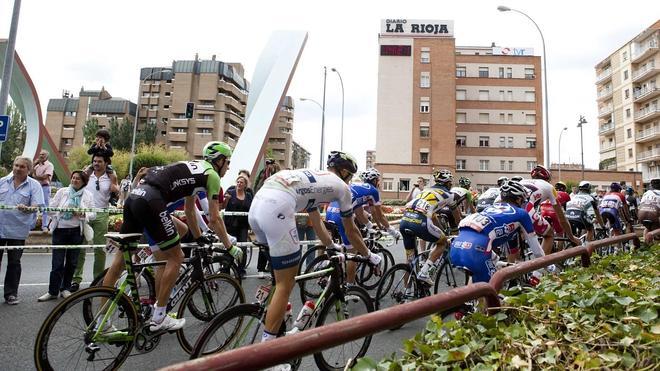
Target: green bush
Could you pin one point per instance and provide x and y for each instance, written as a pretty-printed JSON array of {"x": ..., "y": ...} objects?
[
  {"x": 154, "y": 155},
  {"x": 394, "y": 202},
  {"x": 601, "y": 317}
]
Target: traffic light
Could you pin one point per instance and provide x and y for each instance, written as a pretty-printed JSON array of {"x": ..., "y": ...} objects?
[{"x": 190, "y": 108}]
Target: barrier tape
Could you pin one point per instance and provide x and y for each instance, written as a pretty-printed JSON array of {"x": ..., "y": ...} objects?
[{"x": 187, "y": 244}]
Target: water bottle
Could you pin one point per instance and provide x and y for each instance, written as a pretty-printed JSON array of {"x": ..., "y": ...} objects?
[{"x": 304, "y": 315}]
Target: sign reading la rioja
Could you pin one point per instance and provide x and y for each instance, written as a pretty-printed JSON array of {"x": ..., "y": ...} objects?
[{"x": 416, "y": 27}]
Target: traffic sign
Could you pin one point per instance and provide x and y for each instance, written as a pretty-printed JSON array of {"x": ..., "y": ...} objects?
[{"x": 4, "y": 127}]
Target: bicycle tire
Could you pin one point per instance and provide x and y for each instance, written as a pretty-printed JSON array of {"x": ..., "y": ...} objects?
[
  {"x": 225, "y": 264},
  {"x": 396, "y": 286},
  {"x": 312, "y": 288},
  {"x": 125, "y": 319},
  {"x": 206, "y": 307},
  {"x": 147, "y": 298},
  {"x": 226, "y": 326},
  {"x": 450, "y": 277},
  {"x": 311, "y": 251},
  {"x": 357, "y": 302},
  {"x": 366, "y": 276}
]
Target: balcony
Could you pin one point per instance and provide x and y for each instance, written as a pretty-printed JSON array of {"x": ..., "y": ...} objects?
[
  {"x": 651, "y": 155},
  {"x": 647, "y": 114},
  {"x": 604, "y": 75},
  {"x": 648, "y": 174},
  {"x": 611, "y": 167},
  {"x": 644, "y": 72},
  {"x": 232, "y": 129},
  {"x": 606, "y": 128},
  {"x": 604, "y": 111},
  {"x": 641, "y": 95},
  {"x": 607, "y": 147},
  {"x": 648, "y": 135},
  {"x": 645, "y": 51},
  {"x": 604, "y": 94},
  {"x": 175, "y": 136}
]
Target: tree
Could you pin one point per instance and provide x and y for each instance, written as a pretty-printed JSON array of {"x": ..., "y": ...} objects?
[
  {"x": 147, "y": 135},
  {"x": 121, "y": 134},
  {"x": 13, "y": 146},
  {"x": 89, "y": 130}
]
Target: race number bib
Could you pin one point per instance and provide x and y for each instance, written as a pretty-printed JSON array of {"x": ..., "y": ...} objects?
[
  {"x": 475, "y": 221},
  {"x": 422, "y": 206},
  {"x": 194, "y": 167},
  {"x": 287, "y": 179}
]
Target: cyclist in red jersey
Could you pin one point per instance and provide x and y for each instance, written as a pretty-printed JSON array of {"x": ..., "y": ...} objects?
[{"x": 548, "y": 211}]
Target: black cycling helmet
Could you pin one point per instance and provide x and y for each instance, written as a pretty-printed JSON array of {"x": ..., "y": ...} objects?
[
  {"x": 512, "y": 190},
  {"x": 501, "y": 180},
  {"x": 615, "y": 187},
  {"x": 342, "y": 160},
  {"x": 655, "y": 183},
  {"x": 464, "y": 182},
  {"x": 584, "y": 186},
  {"x": 516, "y": 178}
]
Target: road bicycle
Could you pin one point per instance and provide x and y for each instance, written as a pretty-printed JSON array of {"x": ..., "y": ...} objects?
[
  {"x": 243, "y": 324},
  {"x": 98, "y": 327}
]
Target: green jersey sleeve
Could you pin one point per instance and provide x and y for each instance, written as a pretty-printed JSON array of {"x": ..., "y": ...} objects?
[{"x": 212, "y": 184}]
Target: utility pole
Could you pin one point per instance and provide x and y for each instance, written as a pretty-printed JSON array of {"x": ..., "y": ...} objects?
[
  {"x": 9, "y": 61},
  {"x": 581, "y": 122}
]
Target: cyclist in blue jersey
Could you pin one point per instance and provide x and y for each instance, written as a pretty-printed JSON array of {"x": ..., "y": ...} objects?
[{"x": 480, "y": 233}]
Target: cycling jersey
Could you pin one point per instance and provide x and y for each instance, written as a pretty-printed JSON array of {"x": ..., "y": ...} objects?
[
  {"x": 548, "y": 211},
  {"x": 462, "y": 194},
  {"x": 487, "y": 198},
  {"x": 581, "y": 210},
  {"x": 362, "y": 194},
  {"x": 417, "y": 218},
  {"x": 609, "y": 208},
  {"x": 540, "y": 191},
  {"x": 652, "y": 196},
  {"x": 183, "y": 179},
  {"x": 649, "y": 209}
]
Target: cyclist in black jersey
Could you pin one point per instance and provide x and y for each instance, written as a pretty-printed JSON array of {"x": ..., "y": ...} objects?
[{"x": 146, "y": 208}]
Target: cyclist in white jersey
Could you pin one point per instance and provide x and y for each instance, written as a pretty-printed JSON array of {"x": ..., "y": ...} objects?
[
  {"x": 649, "y": 209},
  {"x": 582, "y": 209},
  {"x": 272, "y": 218},
  {"x": 490, "y": 195}
]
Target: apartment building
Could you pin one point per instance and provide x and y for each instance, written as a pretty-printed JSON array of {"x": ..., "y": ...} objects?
[
  {"x": 628, "y": 109},
  {"x": 370, "y": 159},
  {"x": 280, "y": 139},
  {"x": 299, "y": 156},
  {"x": 474, "y": 110},
  {"x": 66, "y": 116}
]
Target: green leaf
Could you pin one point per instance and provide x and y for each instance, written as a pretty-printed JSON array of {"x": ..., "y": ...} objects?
[
  {"x": 610, "y": 357},
  {"x": 500, "y": 316},
  {"x": 656, "y": 329},
  {"x": 626, "y": 341},
  {"x": 625, "y": 301},
  {"x": 365, "y": 364},
  {"x": 648, "y": 314},
  {"x": 518, "y": 362},
  {"x": 627, "y": 360},
  {"x": 441, "y": 355}
]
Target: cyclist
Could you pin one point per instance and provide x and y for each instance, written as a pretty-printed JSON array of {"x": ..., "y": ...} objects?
[
  {"x": 631, "y": 200},
  {"x": 272, "y": 218},
  {"x": 479, "y": 234},
  {"x": 549, "y": 214},
  {"x": 582, "y": 209},
  {"x": 362, "y": 194},
  {"x": 541, "y": 190},
  {"x": 464, "y": 195},
  {"x": 146, "y": 208},
  {"x": 488, "y": 197},
  {"x": 649, "y": 209},
  {"x": 611, "y": 205}
]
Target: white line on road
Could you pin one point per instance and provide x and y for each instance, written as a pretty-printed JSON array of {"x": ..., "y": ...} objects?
[{"x": 46, "y": 284}]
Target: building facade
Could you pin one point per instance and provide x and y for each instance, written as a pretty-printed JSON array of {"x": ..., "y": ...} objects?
[
  {"x": 299, "y": 156},
  {"x": 628, "y": 109},
  {"x": 280, "y": 137},
  {"x": 474, "y": 110},
  {"x": 370, "y": 159},
  {"x": 66, "y": 116}
]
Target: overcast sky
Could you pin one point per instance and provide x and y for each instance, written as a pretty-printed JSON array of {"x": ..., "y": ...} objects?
[{"x": 69, "y": 44}]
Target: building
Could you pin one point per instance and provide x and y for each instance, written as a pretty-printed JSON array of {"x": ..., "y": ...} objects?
[
  {"x": 299, "y": 156},
  {"x": 66, "y": 116},
  {"x": 628, "y": 110},
  {"x": 475, "y": 110},
  {"x": 371, "y": 159},
  {"x": 279, "y": 146}
]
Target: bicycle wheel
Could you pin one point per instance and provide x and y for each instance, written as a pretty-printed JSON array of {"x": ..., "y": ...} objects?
[
  {"x": 312, "y": 288},
  {"x": 311, "y": 253},
  {"x": 397, "y": 286},
  {"x": 366, "y": 275},
  {"x": 357, "y": 302},
  {"x": 64, "y": 341},
  {"x": 144, "y": 280},
  {"x": 205, "y": 300},
  {"x": 235, "y": 327},
  {"x": 224, "y": 264},
  {"x": 448, "y": 278}
]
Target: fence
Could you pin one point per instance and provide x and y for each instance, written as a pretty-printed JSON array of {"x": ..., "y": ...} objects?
[{"x": 308, "y": 342}]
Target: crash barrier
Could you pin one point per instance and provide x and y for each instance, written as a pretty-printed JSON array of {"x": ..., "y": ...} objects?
[{"x": 262, "y": 355}]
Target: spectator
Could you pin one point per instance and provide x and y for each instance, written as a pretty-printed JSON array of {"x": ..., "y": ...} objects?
[
  {"x": 271, "y": 168},
  {"x": 416, "y": 189},
  {"x": 238, "y": 199},
  {"x": 101, "y": 147},
  {"x": 124, "y": 187},
  {"x": 17, "y": 189},
  {"x": 99, "y": 186},
  {"x": 43, "y": 173},
  {"x": 67, "y": 228},
  {"x": 246, "y": 174}
]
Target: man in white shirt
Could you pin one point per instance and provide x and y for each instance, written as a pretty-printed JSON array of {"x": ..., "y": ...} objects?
[
  {"x": 99, "y": 186},
  {"x": 43, "y": 173}
]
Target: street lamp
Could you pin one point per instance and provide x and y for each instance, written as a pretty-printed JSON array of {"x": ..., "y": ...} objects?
[
  {"x": 546, "y": 147},
  {"x": 581, "y": 122},
  {"x": 137, "y": 116},
  {"x": 341, "y": 81},
  {"x": 322, "y": 126},
  {"x": 559, "y": 160}
]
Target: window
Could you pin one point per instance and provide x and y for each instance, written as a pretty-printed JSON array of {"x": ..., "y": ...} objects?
[
  {"x": 510, "y": 165},
  {"x": 424, "y": 107},
  {"x": 529, "y": 96},
  {"x": 531, "y": 165},
  {"x": 461, "y": 141},
  {"x": 509, "y": 142},
  {"x": 501, "y": 72},
  {"x": 67, "y": 142},
  {"x": 509, "y": 72},
  {"x": 509, "y": 95},
  {"x": 460, "y": 164},
  {"x": 630, "y": 153},
  {"x": 529, "y": 73},
  {"x": 625, "y": 75},
  {"x": 153, "y": 107},
  {"x": 155, "y": 95},
  {"x": 423, "y": 157},
  {"x": 144, "y": 106},
  {"x": 483, "y": 118},
  {"x": 483, "y": 165},
  {"x": 204, "y": 131},
  {"x": 404, "y": 184},
  {"x": 425, "y": 80},
  {"x": 483, "y": 95},
  {"x": 627, "y": 113},
  {"x": 425, "y": 57},
  {"x": 502, "y": 118},
  {"x": 626, "y": 93},
  {"x": 530, "y": 118},
  {"x": 531, "y": 142},
  {"x": 424, "y": 129},
  {"x": 461, "y": 72},
  {"x": 70, "y": 113},
  {"x": 206, "y": 117},
  {"x": 460, "y": 117},
  {"x": 502, "y": 165},
  {"x": 145, "y": 94},
  {"x": 484, "y": 141},
  {"x": 179, "y": 130},
  {"x": 483, "y": 71},
  {"x": 509, "y": 118},
  {"x": 153, "y": 121},
  {"x": 629, "y": 133},
  {"x": 624, "y": 56},
  {"x": 387, "y": 184},
  {"x": 502, "y": 95},
  {"x": 166, "y": 106},
  {"x": 167, "y": 93},
  {"x": 461, "y": 94},
  {"x": 502, "y": 142}
]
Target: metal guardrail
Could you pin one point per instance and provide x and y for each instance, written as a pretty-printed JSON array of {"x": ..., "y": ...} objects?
[{"x": 258, "y": 356}]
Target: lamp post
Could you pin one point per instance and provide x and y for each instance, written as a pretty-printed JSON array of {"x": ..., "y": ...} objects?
[
  {"x": 9, "y": 61},
  {"x": 137, "y": 116},
  {"x": 559, "y": 152},
  {"x": 581, "y": 122},
  {"x": 323, "y": 115},
  {"x": 341, "y": 81},
  {"x": 546, "y": 147}
]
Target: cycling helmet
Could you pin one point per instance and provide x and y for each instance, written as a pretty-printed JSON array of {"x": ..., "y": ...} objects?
[
  {"x": 560, "y": 186},
  {"x": 513, "y": 189},
  {"x": 629, "y": 190},
  {"x": 370, "y": 175},
  {"x": 443, "y": 176},
  {"x": 615, "y": 187},
  {"x": 540, "y": 172},
  {"x": 464, "y": 182},
  {"x": 655, "y": 183},
  {"x": 502, "y": 180},
  {"x": 342, "y": 160},
  {"x": 516, "y": 178},
  {"x": 213, "y": 150},
  {"x": 584, "y": 186}
]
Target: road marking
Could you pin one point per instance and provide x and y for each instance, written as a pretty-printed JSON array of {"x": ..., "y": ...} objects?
[{"x": 46, "y": 284}]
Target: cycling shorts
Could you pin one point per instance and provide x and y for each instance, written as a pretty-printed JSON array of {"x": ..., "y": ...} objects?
[
  {"x": 612, "y": 216},
  {"x": 469, "y": 250},
  {"x": 273, "y": 221},
  {"x": 649, "y": 215},
  {"x": 414, "y": 224},
  {"x": 541, "y": 226},
  {"x": 187, "y": 238},
  {"x": 548, "y": 213},
  {"x": 579, "y": 220},
  {"x": 335, "y": 218},
  {"x": 145, "y": 209}
]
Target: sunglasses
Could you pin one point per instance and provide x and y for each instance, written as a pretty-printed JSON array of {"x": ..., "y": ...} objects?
[{"x": 98, "y": 188}]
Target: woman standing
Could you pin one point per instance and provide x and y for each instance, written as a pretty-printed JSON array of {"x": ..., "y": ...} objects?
[
  {"x": 237, "y": 199},
  {"x": 67, "y": 228}
]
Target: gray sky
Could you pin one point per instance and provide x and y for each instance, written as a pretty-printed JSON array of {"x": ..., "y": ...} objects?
[{"x": 69, "y": 44}]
